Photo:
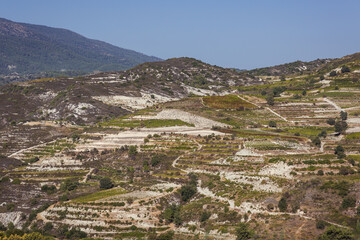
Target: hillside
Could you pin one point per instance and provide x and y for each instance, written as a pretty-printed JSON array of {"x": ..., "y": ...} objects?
[
  {"x": 32, "y": 49},
  {"x": 180, "y": 149},
  {"x": 293, "y": 68}
]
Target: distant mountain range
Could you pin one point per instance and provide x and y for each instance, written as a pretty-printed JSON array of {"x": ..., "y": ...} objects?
[{"x": 32, "y": 49}]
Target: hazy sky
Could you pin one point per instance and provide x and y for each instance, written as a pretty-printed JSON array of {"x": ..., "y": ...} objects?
[{"x": 244, "y": 34}]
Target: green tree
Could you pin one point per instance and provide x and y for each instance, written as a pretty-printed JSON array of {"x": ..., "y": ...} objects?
[
  {"x": 343, "y": 115},
  {"x": 336, "y": 233},
  {"x": 282, "y": 205},
  {"x": 316, "y": 141},
  {"x": 243, "y": 232},
  {"x": 332, "y": 74},
  {"x": 340, "y": 126},
  {"x": 132, "y": 152},
  {"x": 272, "y": 124},
  {"x": 345, "y": 69},
  {"x": 270, "y": 100},
  {"x": 340, "y": 152},
  {"x": 330, "y": 121},
  {"x": 106, "y": 183}
]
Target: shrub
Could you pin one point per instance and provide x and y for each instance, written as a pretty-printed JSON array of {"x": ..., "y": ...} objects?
[
  {"x": 336, "y": 233},
  {"x": 272, "y": 124},
  {"x": 332, "y": 74},
  {"x": 320, "y": 224},
  {"x": 187, "y": 192},
  {"x": 270, "y": 100},
  {"x": 330, "y": 121},
  {"x": 69, "y": 185},
  {"x": 205, "y": 216},
  {"x": 345, "y": 69},
  {"x": 316, "y": 141},
  {"x": 105, "y": 183},
  {"x": 343, "y": 115},
  {"x": 243, "y": 232},
  {"x": 340, "y": 152},
  {"x": 49, "y": 189},
  {"x": 347, "y": 202},
  {"x": 282, "y": 205},
  {"x": 323, "y": 134},
  {"x": 340, "y": 126}
]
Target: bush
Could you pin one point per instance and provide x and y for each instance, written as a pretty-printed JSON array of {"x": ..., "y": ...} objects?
[
  {"x": 106, "y": 183},
  {"x": 282, "y": 205},
  {"x": 270, "y": 100},
  {"x": 340, "y": 126},
  {"x": 49, "y": 189},
  {"x": 69, "y": 185},
  {"x": 323, "y": 134},
  {"x": 333, "y": 74},
  {"x": 187, "y": 192},
  {"x": 340, "y": 152},
  {"x": 347, "y": 202},
  {"x": 336, "y": 233},
  {"x": 316, "y": 141},
  {"x": 272, "y": 124},
  {"x": 320, "y": 224},
  {"x": 205, "y": 216},
  {"x": 345, "y": 69},
  {"x": 243, "y": 232},
  {"x": 330, "y": 121},
  {"x": 343, "y": 115}
]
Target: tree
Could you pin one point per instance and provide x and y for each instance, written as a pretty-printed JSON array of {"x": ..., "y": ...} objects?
[
  {"x": 304, "y": 92},
  {"x": 322, "y": 77},
  {"x": 336, "y": 233},
  {"x": 316, "y": 141},
  {"x": 272, "y": 124},
  {"x": 340, "y": 151},
  {"x": 132, "y": 152},
  {"x": 323, "y": 134},
  {"x": 270, "y": 100},
  {"x": 333, "y": 74},
  {"x": 345, "y": 69},
  {"x": 348, "y": 202},
  {"x": 243, "y": 232},
  {"x": 106, "y": 183},
  {"x": 330, "y": 121},
  {"x": 282, "y": 205},
  {"x": 282, "y": 78},
  {"x": 343, "y": 115},
  {"x": 187, "y": 191},
  {"x": 340, "y": 126}
]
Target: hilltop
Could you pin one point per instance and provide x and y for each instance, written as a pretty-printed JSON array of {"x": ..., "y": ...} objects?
[{"x": 36, "y": 50}]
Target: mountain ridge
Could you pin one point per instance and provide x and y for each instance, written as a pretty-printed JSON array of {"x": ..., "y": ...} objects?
[{"x": 32, "y": 49}]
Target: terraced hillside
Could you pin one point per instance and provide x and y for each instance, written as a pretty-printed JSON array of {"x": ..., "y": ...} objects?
[{"x": 277, "y": 160}]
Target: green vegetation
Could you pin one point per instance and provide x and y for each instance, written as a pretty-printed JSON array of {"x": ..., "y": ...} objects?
[
  {"x": 227, "y": 102},
  {"x": 99, "y": 195}
]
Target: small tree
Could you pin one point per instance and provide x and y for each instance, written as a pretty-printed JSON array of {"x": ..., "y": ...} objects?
[
  {"x": 282, "y": 78},
  {"x": 316, "y": 141},
  {"x": 333, "y": 74},
  {"x": 243, "y": 232},
  {"x": 132, "y": 152},
  {"x": 106, "y": 183},
  {"x": 323, "y": 134},
  {"x": 282, "y": 205},
  {"x": 340, "y": 126},
  {"x": 333, "y": 233},
  {"x": 340, "y": 151},
  {"x": 330, "y": 121},
  {"x": 343, "y": 115},
  {"x": 304, "y": 93},
  {"x": 272, "y": 124},
  {"x": 345, "y": 69},
  {"x": 270, "y": 100}
]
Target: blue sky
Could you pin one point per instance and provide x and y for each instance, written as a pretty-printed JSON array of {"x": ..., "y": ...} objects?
[{"x": 244, "y": 34}]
